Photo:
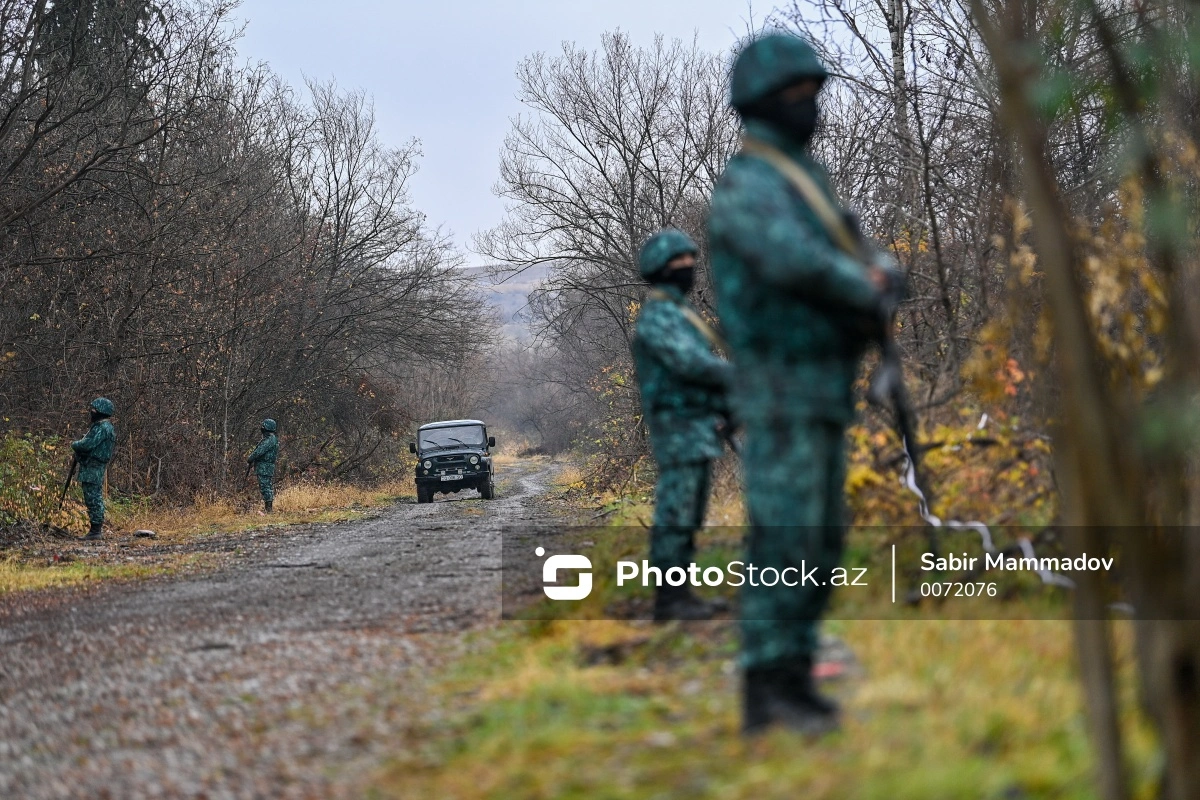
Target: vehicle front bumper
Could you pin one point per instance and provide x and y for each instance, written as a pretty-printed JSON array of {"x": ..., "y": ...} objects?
[{"x": 466, "y": 479}]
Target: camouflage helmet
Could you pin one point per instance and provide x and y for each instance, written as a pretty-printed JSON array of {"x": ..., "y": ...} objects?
[
  {"x": 661, "y": 248},
  {"x": 102, "y": 406},
  {"x": 268, "y": 425},
  {"x": 771, "y": 63}
]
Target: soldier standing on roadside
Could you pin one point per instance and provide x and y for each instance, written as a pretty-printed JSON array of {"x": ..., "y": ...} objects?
[
  {"x": 683, "y": 385},
  {"x": 94, "y": 451},
  {"x": 263, "y": 461},
  {"x": 798, "y": 310}
]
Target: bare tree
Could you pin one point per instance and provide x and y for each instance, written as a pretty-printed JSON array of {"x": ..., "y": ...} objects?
[
  {"x": 621, "y": 142},
  {"x": 208, "y": 249}
]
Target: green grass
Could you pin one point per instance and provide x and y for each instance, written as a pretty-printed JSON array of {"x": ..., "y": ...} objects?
[
  {"x": 18, "y": 576},
  {"x": 939, "y": 714}
]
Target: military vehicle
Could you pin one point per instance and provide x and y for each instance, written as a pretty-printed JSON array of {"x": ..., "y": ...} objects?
[{"x": 451, "y": 456}]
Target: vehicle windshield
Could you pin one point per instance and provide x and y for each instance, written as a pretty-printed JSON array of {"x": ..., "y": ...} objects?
[{"x": 457, "y": 436}]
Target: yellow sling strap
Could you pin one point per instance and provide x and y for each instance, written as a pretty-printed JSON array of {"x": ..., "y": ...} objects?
[
  {"x": 817, "y": 200},
  {"x": 691, "y": 316}
]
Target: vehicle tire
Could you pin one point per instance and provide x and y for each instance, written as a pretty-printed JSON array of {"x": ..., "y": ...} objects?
[
  {"x": 488, "y": 490},
  {"x": 424, "y": 495}
]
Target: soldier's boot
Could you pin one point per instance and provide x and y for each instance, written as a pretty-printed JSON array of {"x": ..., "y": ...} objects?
[
  {"x": 678, "y": 602},
  {"x": 786, "y": 696},
  {"x": 270, "y": 504},
  {"x": 95, "y": 532}
]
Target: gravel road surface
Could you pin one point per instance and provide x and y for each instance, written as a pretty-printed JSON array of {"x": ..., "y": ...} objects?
[{"x": 291, "y": 671}]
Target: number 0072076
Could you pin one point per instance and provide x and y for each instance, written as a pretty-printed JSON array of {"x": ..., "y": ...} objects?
[{"x": 958, "y": 589}]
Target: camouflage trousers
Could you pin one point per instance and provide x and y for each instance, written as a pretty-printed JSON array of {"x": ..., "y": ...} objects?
[
  {"x": 680, "y": 500},
  {"x": 93, "y": 498},
  {"x": 266, "y": 485},
  {"x": 795, "y": 472}
]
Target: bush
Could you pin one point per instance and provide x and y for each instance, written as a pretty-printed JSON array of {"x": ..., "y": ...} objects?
[{"x": 32, "y": 470}]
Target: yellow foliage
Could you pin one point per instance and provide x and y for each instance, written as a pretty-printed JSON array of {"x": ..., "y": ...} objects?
[
  {"x": 1125, "y": 299},
  {"x": 999, "y": 475},
  {"x": 990, "y": 371},
  {"x": 861, "y": 476}
]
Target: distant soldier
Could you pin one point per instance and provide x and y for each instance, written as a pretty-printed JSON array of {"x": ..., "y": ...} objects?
[
  {"x": 683, "y": 385},
  {"x": 93, "y": 453},
  {"x": 263, "y": 461},
  {"x": 798, "y": 310}
]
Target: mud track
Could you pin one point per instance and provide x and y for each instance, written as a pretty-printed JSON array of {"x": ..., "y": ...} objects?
[{"x": 292, "y": 673}]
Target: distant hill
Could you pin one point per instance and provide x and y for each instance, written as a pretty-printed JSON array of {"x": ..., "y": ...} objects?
[{"x": 510, "y": 297}]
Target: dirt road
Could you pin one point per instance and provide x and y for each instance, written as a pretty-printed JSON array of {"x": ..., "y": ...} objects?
[{"x": 290, "y": 673}]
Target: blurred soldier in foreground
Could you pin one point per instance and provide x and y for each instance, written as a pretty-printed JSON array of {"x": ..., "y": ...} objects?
[
  {"x": 93, "y": 453},
  {"x": 263, "y": 461},
  {"x": 683, "y": 387},
  {"x": 798, "y": 309}
]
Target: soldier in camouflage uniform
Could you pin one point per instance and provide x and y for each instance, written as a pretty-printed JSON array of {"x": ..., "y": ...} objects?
[
  {"x": 683, "y": 386},
  {"x": 796, "y": 310},
  {"x": 263, "y": 461},
  {"x": 94, "y": 451}
]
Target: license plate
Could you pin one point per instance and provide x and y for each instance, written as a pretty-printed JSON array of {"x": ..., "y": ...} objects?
[{"x": 452, "y": 477}]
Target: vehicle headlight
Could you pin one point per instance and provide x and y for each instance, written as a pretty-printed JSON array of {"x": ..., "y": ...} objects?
[
  {"x": 428, "y": 465},
  {"x": 474, "y": 459}
]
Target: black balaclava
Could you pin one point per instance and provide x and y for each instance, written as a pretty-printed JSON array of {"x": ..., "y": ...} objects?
[
  {"x": 798, "y": 119},
  {"x": 682, "y": 278},
  {"x": 97, "y": 416}
]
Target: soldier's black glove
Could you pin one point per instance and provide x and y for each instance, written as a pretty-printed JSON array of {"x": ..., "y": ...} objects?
[
  {"x": 894, "y": 283},
  {"x": 888, "y": 376},
  {"x": 727, "y": 426},
  {"x": 884, "y": 381},
  {"x": 894, "y": 291},
  {"x": 853, "y": 224}
]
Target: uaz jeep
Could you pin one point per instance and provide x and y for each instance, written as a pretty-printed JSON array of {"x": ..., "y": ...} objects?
[{"x": 452, "y": 456}]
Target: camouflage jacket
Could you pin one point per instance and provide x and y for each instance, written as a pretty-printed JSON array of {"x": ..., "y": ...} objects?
[
  {"x": 683, "y": 383},
  {"x": 94, "y": 451},
  {"x": 792, "y": 304},
  {"x": 263, "y": 457}
]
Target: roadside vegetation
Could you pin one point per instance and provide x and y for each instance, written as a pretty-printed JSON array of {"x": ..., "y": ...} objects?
[
  {"x": 42, "y": 558},
  {"x": 633, "y": 710},
  {"x": 39, "y": 545},
  {"x": 625, "y": 708}
]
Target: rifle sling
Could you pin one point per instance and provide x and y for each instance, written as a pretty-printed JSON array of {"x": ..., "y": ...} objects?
[
  {"x": 697, "y": 321},
  {"x": 817, "y": 200}
]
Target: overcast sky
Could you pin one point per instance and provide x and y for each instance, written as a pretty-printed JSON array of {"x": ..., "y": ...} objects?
[{"x": 443, "y": 72}]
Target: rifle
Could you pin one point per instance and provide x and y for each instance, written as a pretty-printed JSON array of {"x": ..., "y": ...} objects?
[
  {"x": 249, "y": 466},
  {"x": 67, "y": 484},
  {"x": 887, "y": 388},
  {"x": 727, "y": 429}
]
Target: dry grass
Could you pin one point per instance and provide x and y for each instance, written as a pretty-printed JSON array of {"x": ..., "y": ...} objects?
[
  {"x": 570, "y": 476},
  {"x": 635, "y": 508},
  {"x": 31, "y": 568},
  {"x": 297, "y": 503},
  {"x": 726, "y": 507}
]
